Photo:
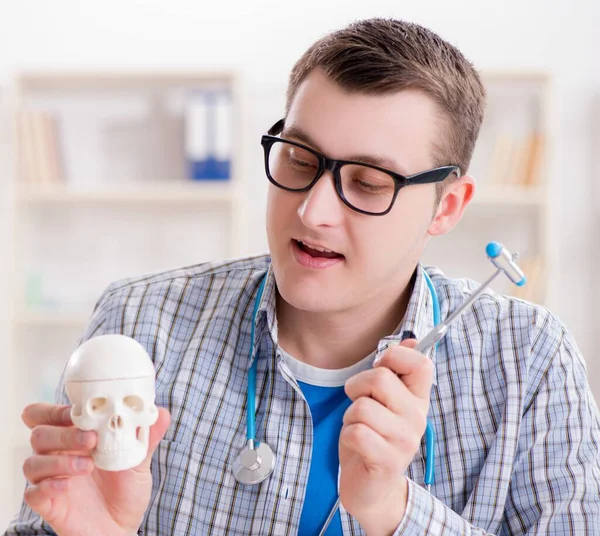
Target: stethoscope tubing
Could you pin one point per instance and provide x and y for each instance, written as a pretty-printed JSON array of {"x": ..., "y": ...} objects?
[
  {"x": 251, "y": 391},
  {"x": 251, "y": 397}
]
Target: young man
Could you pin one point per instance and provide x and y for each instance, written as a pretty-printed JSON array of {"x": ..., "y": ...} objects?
[{"x": 506, "y": 389}]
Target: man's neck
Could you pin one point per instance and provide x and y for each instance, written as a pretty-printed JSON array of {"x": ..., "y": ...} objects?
[{"x": 338, "y": 340}]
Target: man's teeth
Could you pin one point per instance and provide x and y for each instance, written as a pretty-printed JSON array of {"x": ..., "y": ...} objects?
[{"x": 316, "y": 247}]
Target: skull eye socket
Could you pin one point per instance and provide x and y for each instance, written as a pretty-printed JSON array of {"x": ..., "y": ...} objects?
[
  {"x": 134, "y": 402},
  {"x": 98, "y": 404}
]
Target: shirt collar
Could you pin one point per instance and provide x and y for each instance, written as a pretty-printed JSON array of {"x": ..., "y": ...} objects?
[
  {"x": 418, "y": 319},
  {"x": 265, "y": 314},
  {"x": 417, "y": 322}
]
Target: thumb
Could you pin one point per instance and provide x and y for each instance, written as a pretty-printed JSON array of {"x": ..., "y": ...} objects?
[
  {"x": 418, "y": 381},
  {"x": 157, "y": 432},
  {"x": 409, "y": 343}
]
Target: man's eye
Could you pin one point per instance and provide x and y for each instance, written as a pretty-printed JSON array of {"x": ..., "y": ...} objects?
[
  {"x": 369, "y": 186},
  {"x": 299, "y": 163}
]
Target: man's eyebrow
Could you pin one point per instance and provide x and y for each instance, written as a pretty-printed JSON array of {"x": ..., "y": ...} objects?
[
  {"x": 298, "y": 134},
  {"x": 379, "y": 161}
]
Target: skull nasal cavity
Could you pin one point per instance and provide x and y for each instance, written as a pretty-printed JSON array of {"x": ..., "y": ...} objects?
[{"x": 115, "y": 422}]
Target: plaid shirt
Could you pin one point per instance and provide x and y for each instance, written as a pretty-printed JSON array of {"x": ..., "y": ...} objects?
[{"x": 517, "y": 428}]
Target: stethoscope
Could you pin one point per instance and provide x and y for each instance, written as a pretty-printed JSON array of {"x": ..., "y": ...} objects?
[{"x": 256, "y": 460}]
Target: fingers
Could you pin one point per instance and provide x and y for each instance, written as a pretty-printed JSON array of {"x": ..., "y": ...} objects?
[
  {"x": 382, "y": 385},
  {"x": 51, "y": 414},
  {"x": 39, "y": 497},
  {"x": 46, "y": 439},
  {"x": 409, "y": 343},
  {"x": 375, "y": 451},
  {"x": 158, "y": 429},
  {"x": 37, "y": 468},
  {"x": 403, "y": 431},
  {"x": 414, "y": 368},
  {"x": 157, "y": 432}
]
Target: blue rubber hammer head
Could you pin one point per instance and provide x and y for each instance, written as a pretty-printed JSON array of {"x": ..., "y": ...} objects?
[{"x": 504, "y": 260}]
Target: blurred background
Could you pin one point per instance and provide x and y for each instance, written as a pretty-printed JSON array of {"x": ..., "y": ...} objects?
[{"x": 130, "y": 142}]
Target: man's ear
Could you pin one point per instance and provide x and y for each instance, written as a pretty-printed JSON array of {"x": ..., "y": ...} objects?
[{"x": 450, "y": 209}]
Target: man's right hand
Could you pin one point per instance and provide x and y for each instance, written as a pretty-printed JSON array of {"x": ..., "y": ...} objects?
[{"x": 72, "y": 495}]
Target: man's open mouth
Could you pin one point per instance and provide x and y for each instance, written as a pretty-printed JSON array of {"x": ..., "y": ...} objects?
[{"x": 317, "y": 251}]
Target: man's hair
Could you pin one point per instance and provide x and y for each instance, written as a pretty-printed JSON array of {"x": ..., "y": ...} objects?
[{"x": 383, "y": 56}]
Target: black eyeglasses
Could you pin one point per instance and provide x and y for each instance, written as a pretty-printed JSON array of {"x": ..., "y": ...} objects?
[{"x": 365, "y": 188}]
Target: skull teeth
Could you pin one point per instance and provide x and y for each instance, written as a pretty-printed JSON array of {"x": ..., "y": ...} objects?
[{"x": 115, "y": 449}]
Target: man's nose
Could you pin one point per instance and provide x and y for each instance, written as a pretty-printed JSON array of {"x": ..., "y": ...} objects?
[{"x": 321, "y": 204}]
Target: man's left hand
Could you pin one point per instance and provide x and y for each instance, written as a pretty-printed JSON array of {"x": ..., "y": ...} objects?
[{"x": 381, "y": 434}]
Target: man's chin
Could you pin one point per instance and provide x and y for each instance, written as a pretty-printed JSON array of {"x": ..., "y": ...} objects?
[
  {"x": 306, "y": 297},
  {"x": 307, "y": 289}
]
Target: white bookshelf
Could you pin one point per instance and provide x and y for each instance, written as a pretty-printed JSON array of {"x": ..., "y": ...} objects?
[
  {"x": 121, "y": 209},
  {"x": 508, "y": 206}
]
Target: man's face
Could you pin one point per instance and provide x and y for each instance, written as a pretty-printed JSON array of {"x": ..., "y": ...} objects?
[{"x": 376, "y": 254}]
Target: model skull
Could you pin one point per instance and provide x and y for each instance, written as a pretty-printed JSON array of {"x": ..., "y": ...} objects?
[{"x": 109, "y": 380}]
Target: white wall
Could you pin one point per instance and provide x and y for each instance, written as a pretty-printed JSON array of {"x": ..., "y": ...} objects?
[{"x": 264, "y": 38}]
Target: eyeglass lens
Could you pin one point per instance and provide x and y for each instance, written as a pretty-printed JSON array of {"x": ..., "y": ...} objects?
[{"x": 363, "y": 187}]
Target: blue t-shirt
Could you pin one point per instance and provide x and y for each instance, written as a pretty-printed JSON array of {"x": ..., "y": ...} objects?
[
  {"x": 324, "y": 392},
  {"x": 327, "y": 407}
]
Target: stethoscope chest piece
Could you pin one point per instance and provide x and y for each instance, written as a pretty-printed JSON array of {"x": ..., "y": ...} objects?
[{"x": 253, "y": 465}]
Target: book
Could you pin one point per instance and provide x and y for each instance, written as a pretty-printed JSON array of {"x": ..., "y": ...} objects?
[
  {"x": 208, "y": 134},
  {"x": 533, "y": 168},
  {"x": 499, "y": 161},
  {"x": 39, "y": 148},
  {"x": 534, "y": 269},
  {"x": 516, "y": 162}
]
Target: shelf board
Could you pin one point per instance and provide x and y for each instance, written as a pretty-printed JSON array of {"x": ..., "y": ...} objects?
[
  {"x": 188, "y": 194},
  {"x": 65, "y": 80},
  {"x": 220, "y": 193},
  {"x": 516, "y": 75},
  {"x": 52, "y": 319},
  {"x": 510, "y": 196}
]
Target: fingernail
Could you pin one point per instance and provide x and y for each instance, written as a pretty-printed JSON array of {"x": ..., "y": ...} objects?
[
  {"x": 378, "y": 358},
  {"x": 83, "y": 438},
  {"x": 66, "y": 415},
  {"x": 82, "y": 464},
  {"x": 382, "y": 350}
]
